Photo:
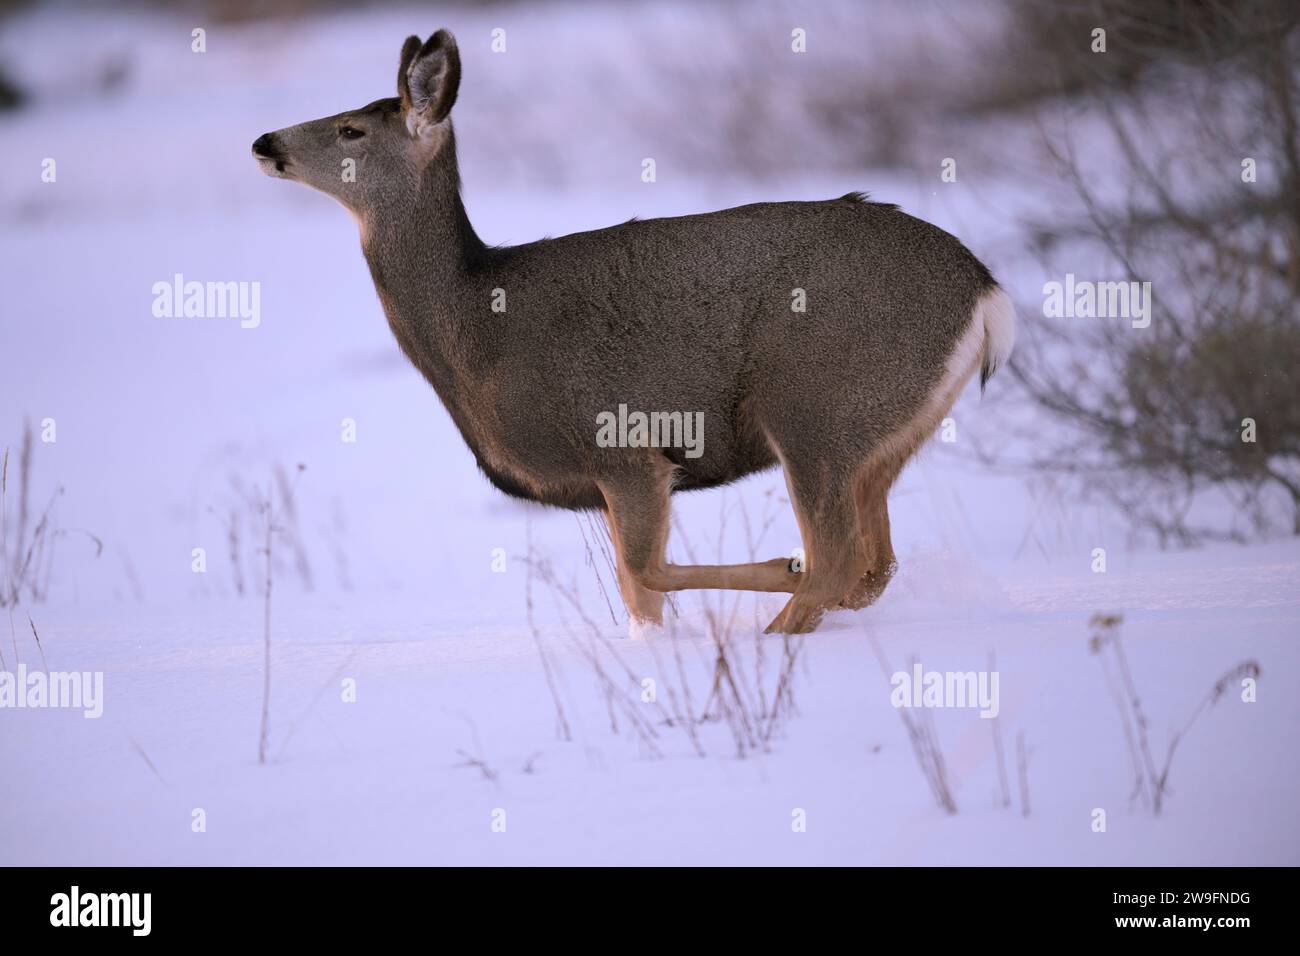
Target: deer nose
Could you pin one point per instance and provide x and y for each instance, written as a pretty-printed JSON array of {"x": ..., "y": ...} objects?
[{"x": 264, "y": 146}]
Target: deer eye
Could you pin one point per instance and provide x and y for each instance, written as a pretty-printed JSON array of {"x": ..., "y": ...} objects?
[{"x": 351, "y": 132}]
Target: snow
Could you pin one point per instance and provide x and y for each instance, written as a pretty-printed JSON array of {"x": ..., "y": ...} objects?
[
  {"x": 380, "y": 781},
  {"x": 154, "y": 416}
]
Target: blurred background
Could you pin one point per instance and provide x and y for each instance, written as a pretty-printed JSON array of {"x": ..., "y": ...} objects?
[{"x": 1164, "y": 149}]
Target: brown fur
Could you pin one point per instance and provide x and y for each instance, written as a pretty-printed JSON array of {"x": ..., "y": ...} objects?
[{"x": 689, "y": 314}]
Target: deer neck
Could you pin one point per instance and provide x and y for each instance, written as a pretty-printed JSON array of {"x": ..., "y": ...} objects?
[{"x": 423, "y": 256}]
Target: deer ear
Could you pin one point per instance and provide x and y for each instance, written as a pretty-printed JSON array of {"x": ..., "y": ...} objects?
[
  {"x": 409, "y": 49},
  {"x": 432, "y": 79}
]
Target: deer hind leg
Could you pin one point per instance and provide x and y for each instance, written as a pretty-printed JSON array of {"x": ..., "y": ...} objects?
[
  {"x": 828, "y": 524},
  {"x": 883, "y": 465},
  {"x": 638, "y": 511},
  {"x": 871, "y": 496}
]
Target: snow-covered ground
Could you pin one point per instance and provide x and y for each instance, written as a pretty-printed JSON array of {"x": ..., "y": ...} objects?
[
  {"x": 453, "y": 719},
  {"x": 382, "y": 780}
]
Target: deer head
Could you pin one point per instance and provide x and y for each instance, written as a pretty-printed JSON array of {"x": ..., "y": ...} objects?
[{"x": 377, "y": 154}]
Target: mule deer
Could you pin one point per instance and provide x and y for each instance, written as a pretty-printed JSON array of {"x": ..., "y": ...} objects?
[{"x": 692, "y": 314}]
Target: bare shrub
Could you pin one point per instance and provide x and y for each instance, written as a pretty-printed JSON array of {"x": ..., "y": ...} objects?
[
  {"x": 871, "y": 91},
  {"x": 264, "y": 736},
  {"x": 1150, "y": 777},
  {"x": 747, "y": 694},
  {"x": 740, "y": 702},
  {"x": 240, "y": 511},
  {"x": 28, "y": 541},
  {"x": 1198, "y": 407},
  {"x": 476, "y": 759},
  {"x": 562, "y": 729},
  {"x": 1053, "y": 40},
  {"x": 618, "y": 683},
  {"x": 265, "y": 505},
  {"x": 921, "y": 734}
]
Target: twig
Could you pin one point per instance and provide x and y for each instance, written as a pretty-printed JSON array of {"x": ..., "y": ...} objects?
[
  {"x": 924, "y": 738},
  {"x": 997, "y": 744},
  {"x": 562, "y": 729},
  {"x": 149, "y": 763},
  {"x": 4, "y": 553},
  {"x": 1022, "y": 766},
  {"x": 264, "y": 737},
  {"x": 38, "y": 643}
]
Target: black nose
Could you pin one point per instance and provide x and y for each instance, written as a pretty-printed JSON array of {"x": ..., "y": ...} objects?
[{"x": 265, "y": 146}]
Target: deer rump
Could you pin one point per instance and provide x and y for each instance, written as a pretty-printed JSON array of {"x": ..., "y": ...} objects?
[{"x": 797, "y": 330}]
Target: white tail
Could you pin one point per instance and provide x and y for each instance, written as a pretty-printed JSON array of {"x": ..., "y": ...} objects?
[{"x": 997, "y": 315}]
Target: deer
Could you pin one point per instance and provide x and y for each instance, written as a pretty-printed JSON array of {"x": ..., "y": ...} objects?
[{"x": 689, "y": 314}]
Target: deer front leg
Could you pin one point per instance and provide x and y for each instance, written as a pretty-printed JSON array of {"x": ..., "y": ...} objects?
[
  {"x": 643, "y": 605},
  {"x": 638, "y": 511}
]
